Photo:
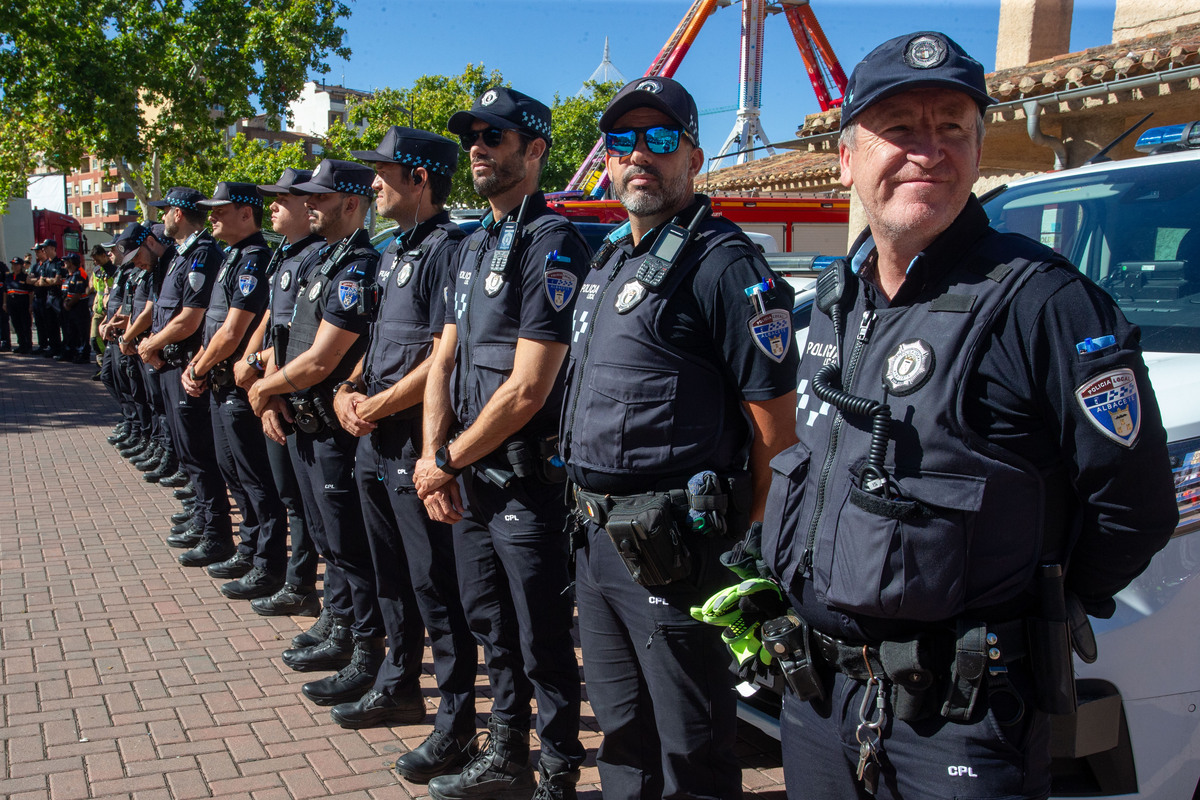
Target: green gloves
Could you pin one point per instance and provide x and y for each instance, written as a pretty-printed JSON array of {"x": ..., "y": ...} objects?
[{"x": 741, "y": 611}]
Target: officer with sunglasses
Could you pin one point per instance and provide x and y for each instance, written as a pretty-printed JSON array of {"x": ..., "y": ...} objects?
[
  {"x": 681, "y": 389},
  {"x": 496, "y": 381}
]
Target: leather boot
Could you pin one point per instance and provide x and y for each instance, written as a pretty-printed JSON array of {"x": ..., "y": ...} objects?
[
  {"x": 208, "y": 551},
  {"x": 135, "y": 448},
  {"x": 290, "y": 601},
  {"x": 499, "y": 771},
  {"x": 405, "y": 707},
  {"x": 353, "y": 680},
  {"x": 119, "y": 433},
  {"x": 258, "y": 582},
  {"x": 165, "y": 468},
  {"x": 181, "y": 516},
  {"x": 556, "y": 780},
  {"x": 441, "y": 753},
  {"x": 333, "y": 653},
  {"x": 316, "y": 634},
  {"x": 149, "y": 459},
  {"x": 175, "y": 479},
  {"x": 187, "y": 539},
  {"x": 185, "y": 492}
]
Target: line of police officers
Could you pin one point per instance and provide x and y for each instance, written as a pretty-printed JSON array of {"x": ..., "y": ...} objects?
[
  {"x": 53, "y": 295},
  {"x": 472, "y": 430}
]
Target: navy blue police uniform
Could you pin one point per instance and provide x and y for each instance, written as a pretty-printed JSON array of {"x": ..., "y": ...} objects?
[
  {"x": 958, "y": 446},
  {"x": 146, "y": 287},
  {"x": 47, "y": 306},
  {"x": 512, "y": 562},
  {"x": 657, "y": 378},
  {"x": 242, "y": 283},
  {"x": 189, "y": 283},
  {"x": 17, "y": 292},
  {"x": 114, "y": 302},
  {"x": 76, "y": 316}
]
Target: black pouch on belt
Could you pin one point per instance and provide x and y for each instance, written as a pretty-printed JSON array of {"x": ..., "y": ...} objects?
[
  {"x": 648, "y": 541},
  {"x": 910, "y": 665}
]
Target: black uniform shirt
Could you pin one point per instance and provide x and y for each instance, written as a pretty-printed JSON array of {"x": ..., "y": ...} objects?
[
  {"x": 241, "y": 282},
  {"x": 76, "y": 284},
  {"x": 189, "y": 279}
]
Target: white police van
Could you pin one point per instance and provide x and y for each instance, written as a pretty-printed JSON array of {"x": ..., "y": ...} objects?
[{"x": 1133, "y": 226}]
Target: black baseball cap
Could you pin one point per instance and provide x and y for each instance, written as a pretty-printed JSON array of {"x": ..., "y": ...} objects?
[
  {"x": 334, "y": 175},
  {"x": 922, "y": 60},
  {"x": 506, "y": 109},
  {"x": 414, "y": 147},
  {"x": 72, "y": 258},
  {"x": 664, "y": 94},
  {"x": 46, "y": 243},
  {"x": 291, "y": 176},
  {"x": 127, "y": 242},
  {"x": 233, "y": 192},
  {"x": 181, "y": 197}
]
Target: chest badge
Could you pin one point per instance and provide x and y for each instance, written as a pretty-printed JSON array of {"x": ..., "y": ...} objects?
[
  {"x": 196, "y": 280},
  {"x": 247, "y": 283},
  {"x": 492, "y": 285},
  {"x": 348, "y": 294},
  {"x": 285, "y": 281},
  {"x": 560, "y": 287},
  {"x": 772, "y": 333},
  {"x": 908, "y": 367},
  {"x": 630, "y": 295},
  {"x": 314, "y": 292},
  {"x": 404, "y": 275},
  {"x": 1112, "y": 404}
]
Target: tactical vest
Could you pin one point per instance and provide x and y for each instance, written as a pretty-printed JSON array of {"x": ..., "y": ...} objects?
[
  {"x": 228, "y": 277},
  {"x": 198, "y": 256},
  {"x": 285, "y": 282},
  {"x": 400, "y": 335},
  {"x": 117, "y": 293},
  {"x": 636, "y": 403},
  {"x": 313, "y": 295},
  {"x": 963, "y": 527},
  {"x": 488, "y": 327}
]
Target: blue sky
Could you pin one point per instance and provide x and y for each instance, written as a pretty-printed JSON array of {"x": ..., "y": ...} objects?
[{"x": 548, "y": 46}]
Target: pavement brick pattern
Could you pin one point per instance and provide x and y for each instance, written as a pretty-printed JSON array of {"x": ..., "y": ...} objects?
[{"x": 125, "y": 675}]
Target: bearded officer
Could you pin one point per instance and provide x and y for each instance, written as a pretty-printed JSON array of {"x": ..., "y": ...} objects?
[{"x": 959, "y": 490}]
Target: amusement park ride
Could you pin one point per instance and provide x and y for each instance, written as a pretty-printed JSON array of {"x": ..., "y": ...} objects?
[{"x": 824, "y": 71}]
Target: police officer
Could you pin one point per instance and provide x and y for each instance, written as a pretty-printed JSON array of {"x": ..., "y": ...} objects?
[
  {"x": 505, "y": 342},
  {"x": 298, "y": 595},
  {"x": 682, "y": 388},
  {"x": 239, "y": 298},
  {"x": 103, "y": 276},
  {"x": 47, "y": 278},
  {"x": 5, "y": 330},
  {"x": 975, "y": 418},
  {"x": 325, "y": 341},
  {"x": 76, "y": 312},
  {"x": 175, "y": 333},
  {"x": 17, "y": 291},
  {"x": 381, "y": 404},
  {"x": 113, "y": 322}
]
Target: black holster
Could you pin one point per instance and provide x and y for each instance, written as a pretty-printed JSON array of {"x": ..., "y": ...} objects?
[
  {"x": 643, "y": 529},
  {"x": 1050, "y": 644}
]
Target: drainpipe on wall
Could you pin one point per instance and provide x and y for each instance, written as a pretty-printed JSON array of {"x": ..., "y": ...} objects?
[{"x": 1033, "y": 124}]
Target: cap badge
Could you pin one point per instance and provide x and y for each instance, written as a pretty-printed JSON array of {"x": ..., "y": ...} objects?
[
  {"x": 653, "y": 87},
  {"x": 488, "y": 98},
  {"x": 908, "y": 367},
  {"x": 925, "y": 52}
]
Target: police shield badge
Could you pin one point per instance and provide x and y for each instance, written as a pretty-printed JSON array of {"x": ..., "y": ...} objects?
[
  {"x": 1112, "y": 404},
  {"x": 314, "y": 292},
  {"x": 560, "y": 287},
  {"x": 348, "y": 294},
  {"x": 631, "y": 294},
  {"x": 195, "y": 280},
  {"x": 908, "y": 367},
  {"x": 772, "y": 333},
  {"x": 491, "y": 286},
  {"x": 403, "y": 276},
  {"x": 246, "y": 284},
  {"x": 285, "y": 280}
]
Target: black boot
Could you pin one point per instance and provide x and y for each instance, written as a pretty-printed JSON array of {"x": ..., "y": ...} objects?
[
  {"x": 333, "y": 653},
  {"x": 500, "y": 771},
  {"x": 235, "y": 566},
  {"x": 185, "y": 492},
  {"x": 440, "y": 754},
  {"x": 355, "y": 679},
  {"x": 258, "y": 582},
  {"x": 181, "y": 516},
  {"x": 209, "y": 551},
  {"x": 130, "y": 436},
  {"x": 175, "y": 479},
  {"x": 318, "y": 633},
  {"x": 290, "y": 601},
  {"x": 136, "y": 447},
  {"x": 186, "y": 539},
  {"x": 119, "y": 433},
  {"x": 377, "y": 708},
  {"x": 556, "y": 780},
  {"x": 148, "y": 460},
  {"x": 165, "y": 468}
]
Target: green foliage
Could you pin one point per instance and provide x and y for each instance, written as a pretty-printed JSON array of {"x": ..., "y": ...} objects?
[{"x": 575, "y": 130}]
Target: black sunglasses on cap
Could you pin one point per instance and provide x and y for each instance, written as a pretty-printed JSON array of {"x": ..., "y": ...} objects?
[{"x": 492, "y": 137}]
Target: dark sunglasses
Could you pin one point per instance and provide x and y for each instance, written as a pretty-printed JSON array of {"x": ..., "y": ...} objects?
[
  {"x": 492, "y": 137},
  {"x": 658, "y": 140}
]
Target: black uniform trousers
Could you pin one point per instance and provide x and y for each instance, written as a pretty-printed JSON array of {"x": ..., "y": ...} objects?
[
  {"x": 108, "y": 376},
  {"x": 324, "y": 465},
  {"x": 22, "y": 321},
  {"x": 933, "y": 758},
  {"x": 76, "y": 322},
  {"x": 302, "y": 561},
  {"x": 46, "y": 318},
  {"x": 659, "y": 681},
  {"x": 513, "y": 580},
  {"x": 190, "y": 423},
  {"x": 416, "y": 580},
  {"x": 242, "y": 453},
  {"x": 159, "y": 429},
  {"x": 5, "y": 330}
]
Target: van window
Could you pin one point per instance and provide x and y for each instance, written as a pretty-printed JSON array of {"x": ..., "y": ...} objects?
[{"x": 1135, "y": 231}]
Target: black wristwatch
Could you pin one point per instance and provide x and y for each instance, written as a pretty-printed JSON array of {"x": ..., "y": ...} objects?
[
  {"x": 441, "y": 459},
  {"x": 337, "y": 387}
]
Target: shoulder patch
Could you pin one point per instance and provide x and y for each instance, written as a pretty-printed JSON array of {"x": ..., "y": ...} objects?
[
  {"x": 560, "y": 286},
  {"x": 195, "y": 279},
  {"x": 348, "y": 294},
  {"x": 1112, "y": 404},
  {"x": 772, "y": 333},
  {"x": 246, "y": 284}
]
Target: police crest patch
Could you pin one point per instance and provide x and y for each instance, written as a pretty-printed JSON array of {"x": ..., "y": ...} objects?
[
  {"x": 314, "y": 292},
  {"x": 348, "y": 294},
  {"x": 772, "y": 332},
  {"x": 908, "y": 367},
  {"x": 246, "y": 284},
  {"x": 285, "y": 280},
  {"x": 1112, "y": 403},
  {"x": 630, "y": 295},
  {"x": 560, "y": 287},
  {"x": 403, "y": 276},
  {"x": 195, "y": 280},
  {"x": 492, "y": 285}
]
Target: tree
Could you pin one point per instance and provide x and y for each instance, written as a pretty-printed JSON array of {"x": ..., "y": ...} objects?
[
  {"x": 144, "y": 83},
  {"x": 575, "y": 130}
]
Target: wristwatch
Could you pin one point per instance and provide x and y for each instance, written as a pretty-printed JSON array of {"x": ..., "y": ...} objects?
[
  {"x": 337, "y": 387},
  {"x": 255, "y": 360},
  {"x": 441, "y": 460}
]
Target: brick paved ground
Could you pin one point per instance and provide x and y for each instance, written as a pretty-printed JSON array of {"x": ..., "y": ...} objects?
[{"x": 125, "y": 675}]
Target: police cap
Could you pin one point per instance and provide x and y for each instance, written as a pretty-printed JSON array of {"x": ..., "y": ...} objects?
[
  {"x": 333, "y": 175},
  {"x": 127, "y": 242},
  {"x": 414, "y": 147},
  {"x": 72, "y": 258},
  {"x": 291, "y": 176},
  {"x": 181, "y": 197},
  {"x": 922, "y": 60},
  {"x": 46, "y": 243},
  {"x": 506, "y": 109},
  {"x": 664, "y": 94},
  {"x": 228, "y": 192}
]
